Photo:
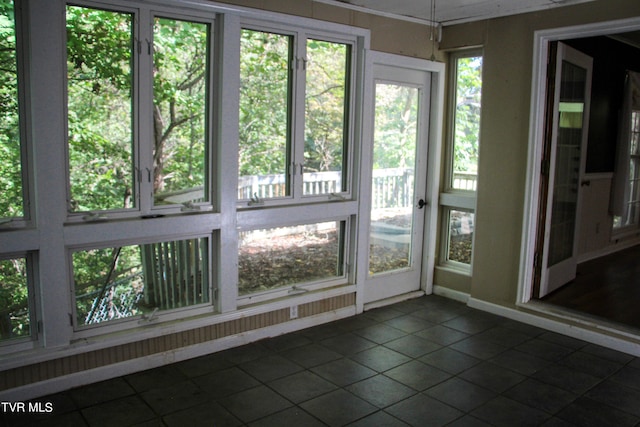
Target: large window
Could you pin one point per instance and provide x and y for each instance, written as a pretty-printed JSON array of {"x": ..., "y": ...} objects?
[
  {"x": 140, "y": 280},
  {"x": 139, "y": 147},
  {"x": 11, "y": 140},
  {"x": 294, "y": 116},
  {"x": 279, "y": 257},
  {"x": 17, "y": 303},
  {"x": 459, "y": 197},
  {"x": 127, "y": 149},
  {"x": 143, "y": 170}
]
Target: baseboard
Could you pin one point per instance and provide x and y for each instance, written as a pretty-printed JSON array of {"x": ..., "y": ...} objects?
[
  {"x": 608, "y": 250},
  {"x": 568, "y": 326},
  {"x": 451, "y": 294},
  {"x": 393, "y": 300}
]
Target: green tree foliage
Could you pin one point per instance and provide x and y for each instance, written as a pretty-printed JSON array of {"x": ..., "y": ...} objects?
[
  {"x": 326, "y": 106},
  {"x": 102, "y": 151},
  {"x": 266, "y": 97},
  {"x": 95, "y": 272},
  {"x": 14, "y": 302},
  {"x": 100, "y": 46},
  {"x": 10, "y": 166},
  {"x": 396, "y": 124},
  {"x": 100, "y": 82},
  {"x": 181, "y": 52},
  {"x": 467, "y": 121},
  {"x": 14, "y": 299},
  {"x": 265, "y": 82}
]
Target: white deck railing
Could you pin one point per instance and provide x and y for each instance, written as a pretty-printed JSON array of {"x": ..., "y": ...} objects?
[{"x": 391, "y": 187}]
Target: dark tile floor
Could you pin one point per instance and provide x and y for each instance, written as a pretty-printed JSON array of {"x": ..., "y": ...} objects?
[{"x": 424, "y": 362}]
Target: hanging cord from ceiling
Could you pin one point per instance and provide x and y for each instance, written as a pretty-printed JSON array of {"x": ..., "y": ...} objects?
[{"x": 434, "y": 29}]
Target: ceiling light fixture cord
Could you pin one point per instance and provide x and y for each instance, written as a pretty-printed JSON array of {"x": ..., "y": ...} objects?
[{"x": 433, "y": 30}]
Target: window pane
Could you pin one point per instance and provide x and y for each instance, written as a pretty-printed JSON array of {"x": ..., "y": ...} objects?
[
  {"x": 277, "y": 257},
  {"x": 393, "y": 184},
  {"x": 325, "y": 117},
  {"x": 180, "y": 111},
  {"x": 631, "y": 215},
  {"x": 467, "y": 123},
  {"x": 99, "y": 61},
  {"x": 461, "y": 225},
  {"x": 265, "y": 81},
  {"x": 10, "y": 163},
  {"x": 117, "y": 283},
  {"x": 15, "y": 319}
]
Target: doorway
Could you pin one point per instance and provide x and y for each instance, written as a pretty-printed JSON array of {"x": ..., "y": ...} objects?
[
  {"x": 599, "y": 170},
  {"x": 397, "y": 220}
]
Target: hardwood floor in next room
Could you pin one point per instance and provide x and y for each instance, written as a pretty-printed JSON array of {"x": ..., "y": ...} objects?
[{"x": 606, "y": 287}]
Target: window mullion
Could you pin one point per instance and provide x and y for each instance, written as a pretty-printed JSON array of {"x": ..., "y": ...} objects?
[
  {"x": 298, "y": 115},
  {"x": 143, "y": 107}
]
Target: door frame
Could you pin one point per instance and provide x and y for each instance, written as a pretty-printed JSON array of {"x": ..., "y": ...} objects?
[
  {"x": 433, "y": 152},
  {"x": 531, "y": 227}
]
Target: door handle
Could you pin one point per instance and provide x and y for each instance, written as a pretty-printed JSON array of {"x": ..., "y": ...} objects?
[{"x": 421, "y": 203}]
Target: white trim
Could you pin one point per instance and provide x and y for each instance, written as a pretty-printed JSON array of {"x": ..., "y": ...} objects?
[
  {"x": 565, "y": 325},
  {"x": 393, "y": 300},
  {"x": 442, "y": 291},
  {"x": 499, "y": 10},
  {"x": 462, "y": 201},
  {"x": 611, "y": 249},
  {"x": 434, "y": 164},
  {"x": 431, "y": 190},
  {"x": 344, "y": 5}
]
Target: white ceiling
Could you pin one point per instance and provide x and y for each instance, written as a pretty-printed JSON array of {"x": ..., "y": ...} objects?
[{"x": 448, "y": 12}]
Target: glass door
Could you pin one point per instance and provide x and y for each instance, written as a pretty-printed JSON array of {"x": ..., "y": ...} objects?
[
  {"x": 566, "y": 167},
  {"x": 398, "y": 182}
]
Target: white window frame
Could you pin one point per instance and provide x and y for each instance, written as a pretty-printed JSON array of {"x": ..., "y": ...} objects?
[
  {"x": 18, "y": 236},
  {"x": 452, "y": 198},
  {"x": 146, "y": 222},
  {"x": 300, "y": 288},
  {"x": 22, "y": 59},
  {"x": 53, "y": 233},
  {"x": 294, "y": 177},
  {"x": 142, "y": 122},
  {"x": 300, "y": 209},
  {"x": 84, "y": 331}
]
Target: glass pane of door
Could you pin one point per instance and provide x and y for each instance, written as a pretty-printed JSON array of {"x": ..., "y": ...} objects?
[
  {"x": 567, "y": 165},
  {"x": 566, "y": 145},
  {"x": 392, "y": 187}
]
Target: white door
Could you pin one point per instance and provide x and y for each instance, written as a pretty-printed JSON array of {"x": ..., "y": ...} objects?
[
  {"x": 397, "y": 195},
  {"x": 569, "y": 132}
]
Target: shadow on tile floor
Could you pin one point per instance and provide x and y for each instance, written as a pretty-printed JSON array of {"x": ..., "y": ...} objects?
[{"x": 424, "y": 362}]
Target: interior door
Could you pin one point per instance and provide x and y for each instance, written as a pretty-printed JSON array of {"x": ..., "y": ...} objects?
[
  {"x": 569, "y": 132},
  {"x": 398, "y": 181}
]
